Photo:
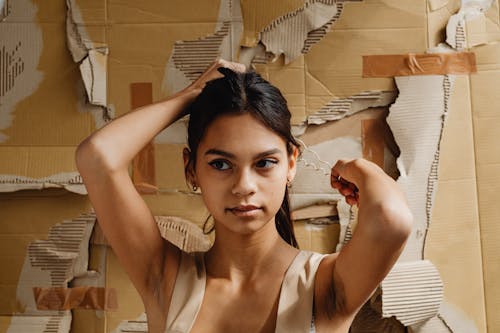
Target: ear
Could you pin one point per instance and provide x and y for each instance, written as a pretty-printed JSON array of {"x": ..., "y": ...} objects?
[
  {"x": 188, "y": 167},
  {"x": 292, "y": 164}
]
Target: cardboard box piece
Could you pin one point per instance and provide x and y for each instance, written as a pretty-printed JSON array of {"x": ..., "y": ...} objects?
[{"x": 77, "y": 64}]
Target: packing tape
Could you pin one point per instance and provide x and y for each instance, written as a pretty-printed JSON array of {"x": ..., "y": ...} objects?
[
  {"x": 143, "y": 165},
  {"x": 85, "y": 297},
  {"x": 372, "y": 140},
  {"x": 419, "y": 64}
]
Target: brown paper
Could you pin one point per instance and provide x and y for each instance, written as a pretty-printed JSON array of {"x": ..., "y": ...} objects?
[
  {"x": 373, "y": 140},
  {"x": 60, "y": 298},
  {"x": 143, "y": 165},
  {"x": 418, "y": 64}
]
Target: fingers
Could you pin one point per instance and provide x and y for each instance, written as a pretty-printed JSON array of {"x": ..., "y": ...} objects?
[
  {"x": 235, "y": 66},
  {"x": 347, "y": 189},
  {"x": 342, "y": 180},
  {"x": 211, "y": 73}
]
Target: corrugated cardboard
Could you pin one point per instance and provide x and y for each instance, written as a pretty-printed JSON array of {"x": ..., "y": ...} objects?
[{"x": 324, "y": 84}]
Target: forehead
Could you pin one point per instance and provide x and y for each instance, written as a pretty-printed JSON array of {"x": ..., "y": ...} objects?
[{"x": 240, "y": 133}]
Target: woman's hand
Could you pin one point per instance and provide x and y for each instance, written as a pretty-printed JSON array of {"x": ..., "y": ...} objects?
[
  {"x": 360, "y": 180},
  {"x": 378, "y": 197},
  {"x": 212, "y": 73}
]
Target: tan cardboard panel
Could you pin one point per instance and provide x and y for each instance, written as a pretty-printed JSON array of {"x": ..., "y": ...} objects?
[
  {"x": 397, "y": 14},
  {"x": 5, "y": 323},
  {"x": 36, "y": 162},
  {"x": 88, "y": 321},
  {"x": 169, "y": 167},
  {"x": 457, "y": 145},
  {"x": 158, "y": 11},
  {"x": 489, "y": 210},
  {"x": 453, "y": 245},
  {"x": 174, "y": 204},
  {"x": 143, "y": 165},
  {"x": 259, "y": 14},
  {"x": 129, "y": 302},
  {"x": 318, "y": 238},
  {"x": 372, "y": 138},
  {"x": 129, "y": 48},
  {"x": 455, "y": 227},
  {"x": 438, "y": 19},
  {"x": 90, "y": 12},
  {"x": 337, "y": 61},
  {"x": 485, "y": 104}
]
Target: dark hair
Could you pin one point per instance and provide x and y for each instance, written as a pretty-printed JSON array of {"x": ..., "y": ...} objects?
[{"x": 238, "y": 93}]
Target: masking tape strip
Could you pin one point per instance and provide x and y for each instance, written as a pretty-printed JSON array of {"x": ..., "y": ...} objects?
[
  {"x": 61, "y": 298},
  {"x": 419, "y": 64},
  {"x": 372, "y": 141},
  {"x": 143, "y": 165}
]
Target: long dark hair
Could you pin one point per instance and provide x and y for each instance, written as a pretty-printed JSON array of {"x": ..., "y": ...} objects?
[{"x": 244, "y": 93}]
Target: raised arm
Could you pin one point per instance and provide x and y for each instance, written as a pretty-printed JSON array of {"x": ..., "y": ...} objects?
[
  {"x": 384, "y": 224},
  {"x": 103, "y": 159}
]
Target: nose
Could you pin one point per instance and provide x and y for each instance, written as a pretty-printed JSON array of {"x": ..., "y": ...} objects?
[{"x": 244, "y": 183}]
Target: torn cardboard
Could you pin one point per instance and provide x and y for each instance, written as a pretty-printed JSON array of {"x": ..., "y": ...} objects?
[
  {"x": 337, "y": 76},
  {"x": 20, "y": 51},
  {"x": 306, "y": 19},
  {"x": 184, "y": 234},
  {"x": 52, "y": 263},
  {"x": 304, "y": 24},
  {"x": 476, "y": 23},
  {"x": 412, "y": 292},
  {"x": 190, "y": 58}
]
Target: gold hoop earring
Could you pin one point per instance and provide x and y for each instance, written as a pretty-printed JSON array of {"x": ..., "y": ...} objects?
[{"x": 212, "y": 227}]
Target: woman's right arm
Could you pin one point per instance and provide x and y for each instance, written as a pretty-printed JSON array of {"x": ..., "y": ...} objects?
[
  {"x": 128, "y": 224},
  {"x": 103, "y": 159}
]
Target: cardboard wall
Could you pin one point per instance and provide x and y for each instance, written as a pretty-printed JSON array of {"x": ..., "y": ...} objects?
[{"x": 61, "y": 81}]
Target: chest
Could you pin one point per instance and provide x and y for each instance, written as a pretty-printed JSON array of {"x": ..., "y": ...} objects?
[{"x": 247, "y": 310}]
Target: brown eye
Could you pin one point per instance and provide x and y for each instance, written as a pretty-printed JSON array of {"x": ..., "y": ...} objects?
[
  {"x": 219, "y": 165},
  {"x": 266, "y": 163}
]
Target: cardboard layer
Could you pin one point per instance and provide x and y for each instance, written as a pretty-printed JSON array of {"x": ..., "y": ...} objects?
[
  {"x": 455, "y": 215},
  {"x": 412, "y": 292},
  {"x": 31, "y": 167},
  {"x": 46, "y": 89},
  {"x": 486, "y": 121}
]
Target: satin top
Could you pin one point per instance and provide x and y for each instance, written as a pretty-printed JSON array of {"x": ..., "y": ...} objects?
[{"x": 295, "y": 303}]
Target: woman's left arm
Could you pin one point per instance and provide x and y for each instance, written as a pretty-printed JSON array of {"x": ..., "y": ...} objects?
[{"x": 384, "y": 224}]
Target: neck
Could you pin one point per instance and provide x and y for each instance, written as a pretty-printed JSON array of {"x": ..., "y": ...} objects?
[{"x": 241, "y": 258}]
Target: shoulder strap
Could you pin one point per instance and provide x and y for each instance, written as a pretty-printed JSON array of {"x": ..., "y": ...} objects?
[
  {"x": 188, "y": 293},
  {"x": 297, "y": 294}
]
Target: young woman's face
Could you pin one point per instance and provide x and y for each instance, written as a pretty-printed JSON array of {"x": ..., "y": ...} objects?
[{"x": 242, "y": 169}]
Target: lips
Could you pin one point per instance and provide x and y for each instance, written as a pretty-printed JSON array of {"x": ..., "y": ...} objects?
[{"x": 245, "y": 210}]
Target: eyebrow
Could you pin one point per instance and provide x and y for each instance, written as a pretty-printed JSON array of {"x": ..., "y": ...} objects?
[{"x": 214, "y": 151}]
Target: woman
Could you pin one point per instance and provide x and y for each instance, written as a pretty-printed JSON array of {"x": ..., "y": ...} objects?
[{"x": 242, "y": 156}]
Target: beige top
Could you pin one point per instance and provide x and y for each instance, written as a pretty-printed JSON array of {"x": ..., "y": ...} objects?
[{"x": 295, "y": 302}]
